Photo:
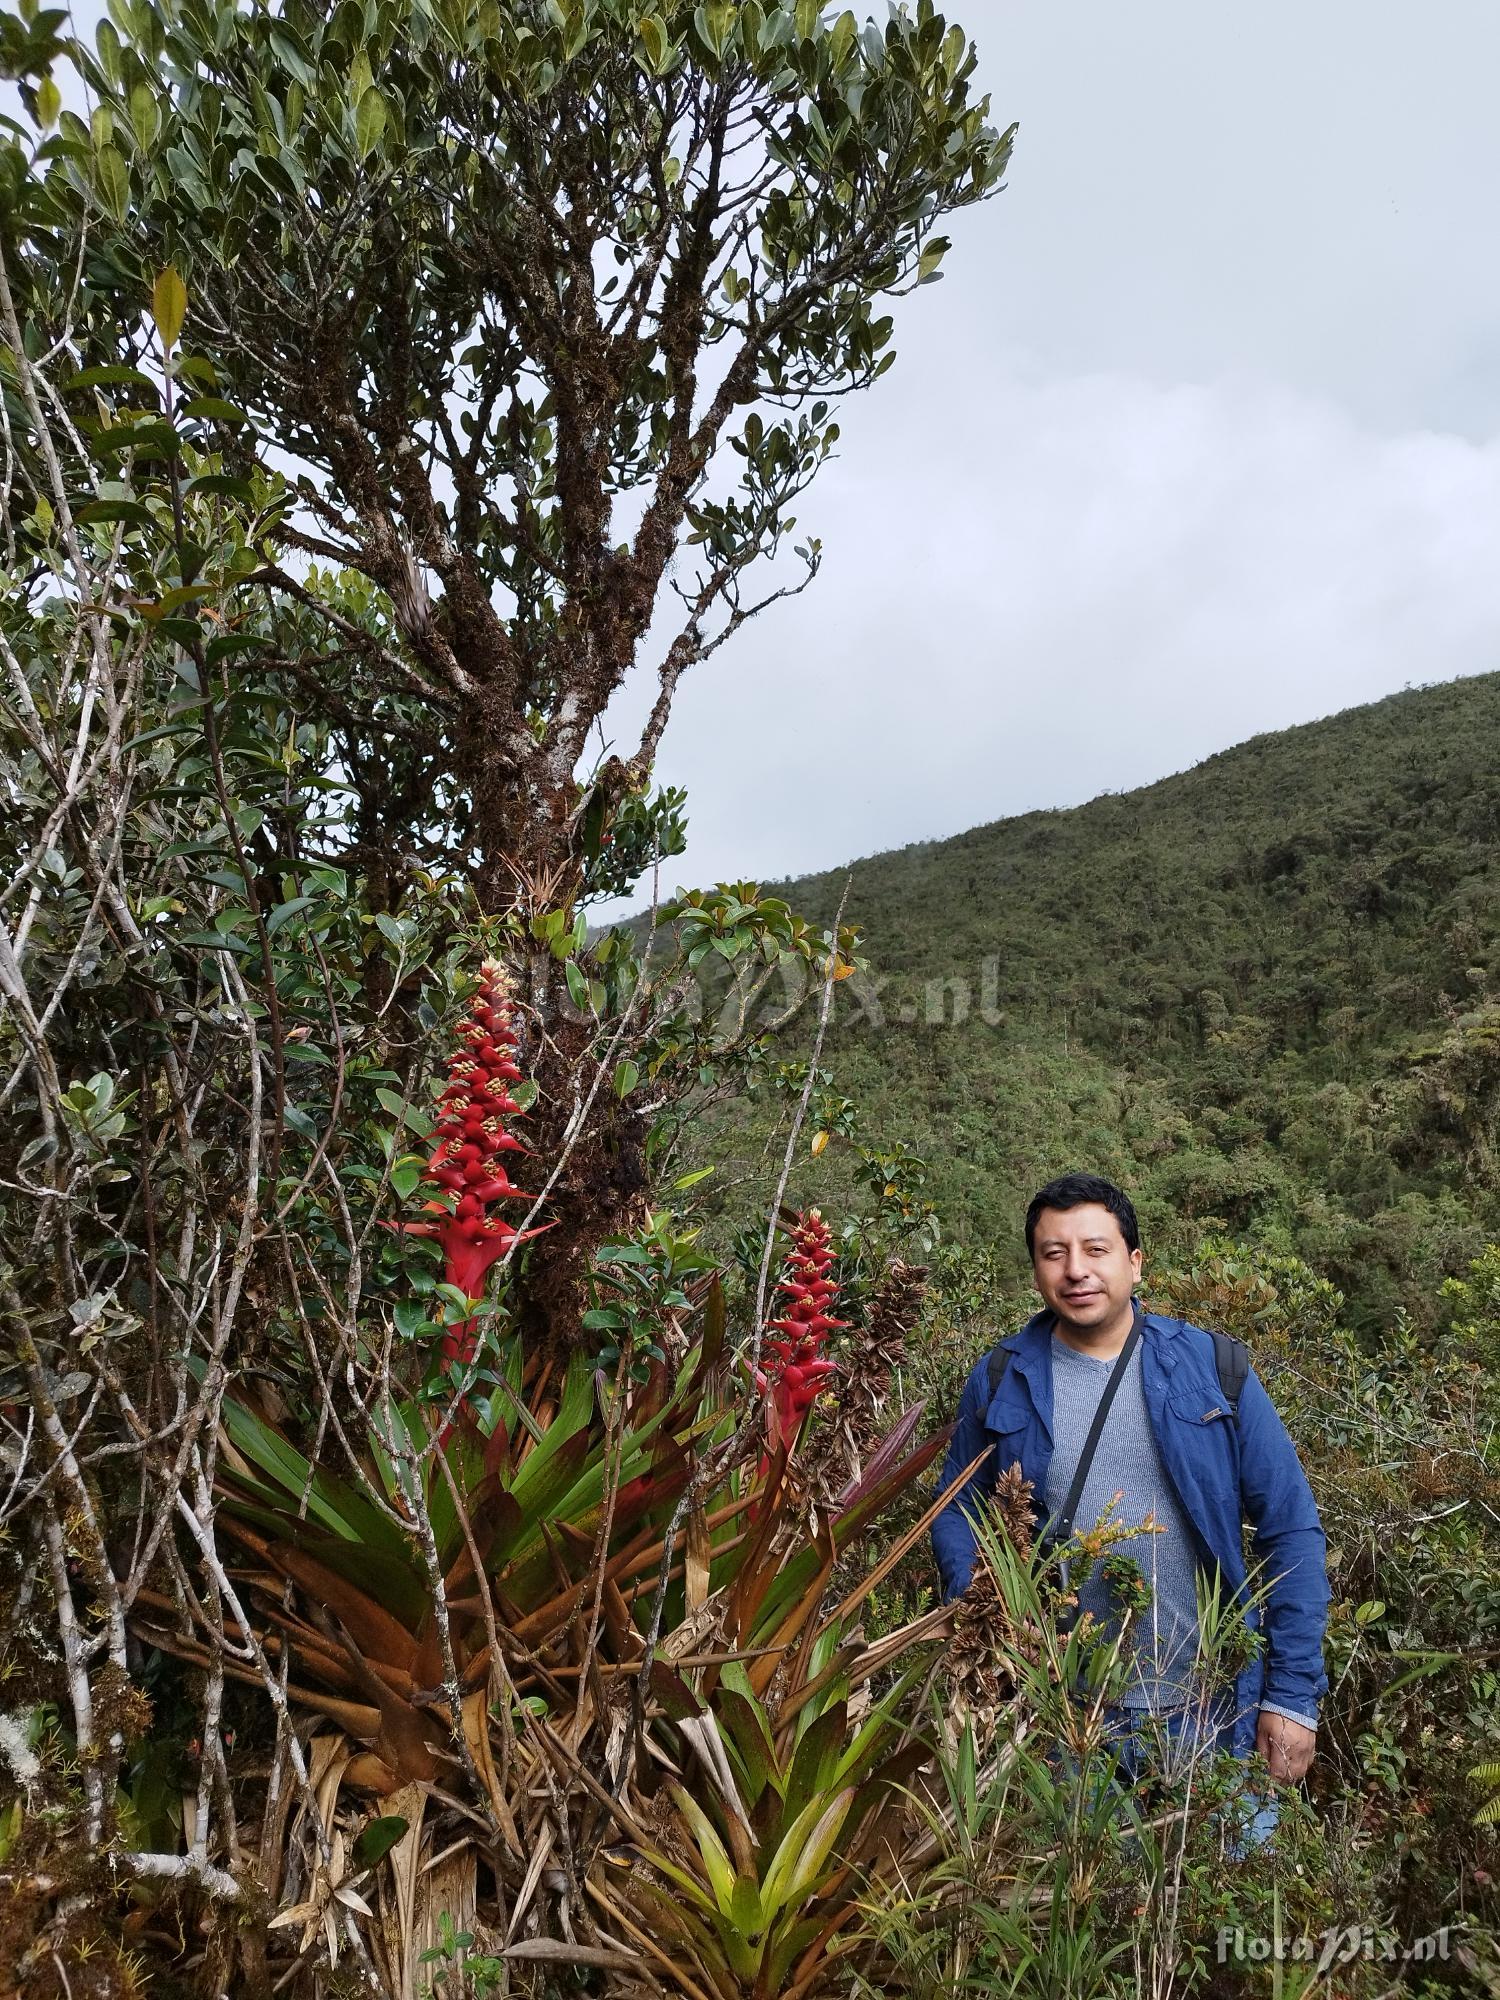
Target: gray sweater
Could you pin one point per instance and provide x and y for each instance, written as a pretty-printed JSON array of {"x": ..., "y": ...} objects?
[{"x": 1127, "y": 1461}]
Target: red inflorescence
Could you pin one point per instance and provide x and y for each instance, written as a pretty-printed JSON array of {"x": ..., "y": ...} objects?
[
  {"x": 468, "y": 1162},
  {"x": 796, "y": 1368}
]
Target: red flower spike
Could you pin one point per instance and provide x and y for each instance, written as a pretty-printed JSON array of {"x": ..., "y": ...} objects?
[
  {"x": 467, "y": 1163},
  {"x": 796, "y": 1370}
]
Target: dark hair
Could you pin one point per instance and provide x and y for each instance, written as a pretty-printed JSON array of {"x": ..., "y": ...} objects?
[{"x": 1073, "y": 1191}]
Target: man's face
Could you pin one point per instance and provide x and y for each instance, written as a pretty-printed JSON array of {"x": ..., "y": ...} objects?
[{"x": 1082, "y": 1268}]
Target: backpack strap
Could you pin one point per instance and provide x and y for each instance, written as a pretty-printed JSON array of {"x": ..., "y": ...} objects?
[
  {"x": 999, "y": 1361},
  {"x": 1232, "y": 1360}
]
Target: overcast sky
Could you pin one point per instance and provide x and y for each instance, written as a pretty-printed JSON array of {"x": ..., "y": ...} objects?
[{"x": 1199, "y": 436}]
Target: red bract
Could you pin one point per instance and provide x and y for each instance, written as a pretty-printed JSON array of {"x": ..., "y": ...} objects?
[
  {"x": 468, "y": 1161},
  {"x": 796, "y": 1368}
]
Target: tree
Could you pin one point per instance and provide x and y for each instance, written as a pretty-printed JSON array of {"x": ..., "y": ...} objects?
[{"x": 495, "y": 287}]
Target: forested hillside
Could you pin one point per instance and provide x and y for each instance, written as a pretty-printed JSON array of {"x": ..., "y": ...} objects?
[{"x": 1263, "y": 993}]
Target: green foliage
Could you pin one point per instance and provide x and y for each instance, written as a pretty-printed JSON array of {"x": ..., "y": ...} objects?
[
  {"x": 1043, "y": 1868},
  {"x": 640, "y": 1284},
  {"x": 482, "y": 272},
  {"x": 1259, "y": 994},
  {"x": 1473, "y": 1305},
  {"x": 461, "y": 1969},
  {"x": 405, "y": 1589}
]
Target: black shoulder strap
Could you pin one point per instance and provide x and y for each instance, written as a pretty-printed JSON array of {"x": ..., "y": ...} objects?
[
  {"x": 999, "y": 1359},
  {"x": 1232, "y": 1360}
]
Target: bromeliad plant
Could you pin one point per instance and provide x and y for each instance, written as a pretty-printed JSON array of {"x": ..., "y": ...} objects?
[
  {"x": 550, "y": 1498},
  {"x": 594, "y": 1609},
  {"x": 603, "y": 1602},
  {"x": 802, "y": 1800}
]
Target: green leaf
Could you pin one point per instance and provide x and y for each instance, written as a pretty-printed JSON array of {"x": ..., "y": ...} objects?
[
  {"x": 182, "y": 631},
  {"x": 291, "y": 54},
  {"x": 378, "y": 1838},
  {"x": 627, "y": 1076},
  {"x": 212, "y": 941},
  {"x": 369, "y": 121},
  {"x": 802, "y": 1853},
  {"x": 145, "y": 116},
  {"x": 112, "y": 181},
  {"x": 578, "y": 986},
  {"x": 169, "y": 306},
  {"x": 654, "y": 41},
  {"x": 151, "y": 436},
  {"x": 283, "y": 912},
  {"x": 820, "y": 1845},
  {"x": 395, "y": 930},
  {"x": 721, "y": 1874},
  {"x": 116, "y": 373},
  {"x": 746, "y": 1911},
  {"x": 410, "y": 1115},
  {"x": 298, "y": 1120},
  {"x": 1429, "y": 1663},
  {"x": 108, "y": 44},
  {"x": 714, "y": 24},
  {"x": 48, "y": 103},
  {"x": 213, "y": 407},
  {"x": 99, "y": 511},
  {"x": 218, "y": 482}
]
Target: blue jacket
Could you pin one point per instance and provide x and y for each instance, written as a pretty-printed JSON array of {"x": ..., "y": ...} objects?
[{"x": 1223, "y": 1471}]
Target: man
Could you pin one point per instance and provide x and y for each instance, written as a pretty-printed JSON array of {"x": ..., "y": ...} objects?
[{"x": 1173, "y": 1449}]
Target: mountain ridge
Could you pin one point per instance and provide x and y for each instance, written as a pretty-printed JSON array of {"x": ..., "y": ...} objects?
[{"x": 1264, "y": 992}]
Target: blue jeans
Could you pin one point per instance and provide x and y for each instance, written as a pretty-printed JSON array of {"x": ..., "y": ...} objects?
[{"x": 1155, "y": 1749}]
